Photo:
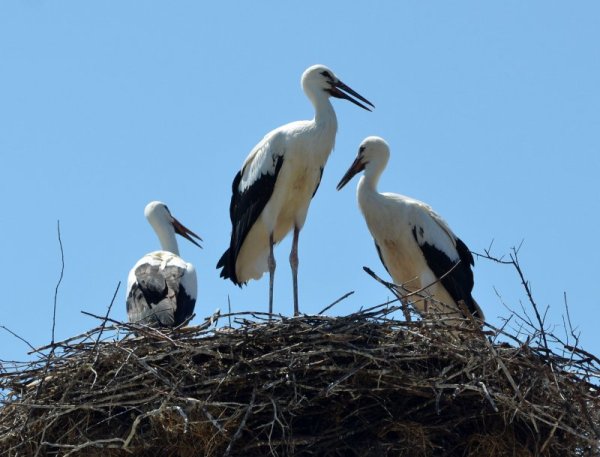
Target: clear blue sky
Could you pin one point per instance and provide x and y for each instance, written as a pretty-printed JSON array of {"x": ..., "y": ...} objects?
[{"x": 492, "y": 111}]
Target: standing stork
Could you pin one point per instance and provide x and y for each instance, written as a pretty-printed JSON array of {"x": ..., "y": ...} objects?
[
  {"x": 415, "y": 245},
  {"x": 273, "y": 189},
  {"x": 161, "y": 286}
]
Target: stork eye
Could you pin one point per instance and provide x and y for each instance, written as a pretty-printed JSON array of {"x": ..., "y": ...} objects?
[
  {"x": 327, "y": 74},
  {"x": 362, "y": 149}
]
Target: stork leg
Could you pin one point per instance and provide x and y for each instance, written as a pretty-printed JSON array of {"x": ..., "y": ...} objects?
[
  {"x": 294, "y": 265},
  {"x": 271, "y": 272}
]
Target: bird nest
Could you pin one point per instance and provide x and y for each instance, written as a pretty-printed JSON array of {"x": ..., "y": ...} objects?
[{"x": 366, "y": 384}]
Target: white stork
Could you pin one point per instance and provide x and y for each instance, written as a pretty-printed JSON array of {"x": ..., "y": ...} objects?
[
  {"x": 273, "y": 189},
  {"x": 161, "y": 287},
  {"x": 415, "y": 245}
]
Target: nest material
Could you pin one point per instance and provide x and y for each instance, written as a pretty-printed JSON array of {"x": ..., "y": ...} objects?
[{"x": 360, "y": 385}]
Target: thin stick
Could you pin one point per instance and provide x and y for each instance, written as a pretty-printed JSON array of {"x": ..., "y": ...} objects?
[
  {"x": 106, "y": 317},
  {"x": 238, "y": 432},
  {"x": 62, "y": 271},
  {"x": 525, "y": 284},
  {"x": 51, "y": 354},
  {"x": 343, "y": 297},
  {"x": 229, "y": 309},
  {"x": 17, "y": 336}
]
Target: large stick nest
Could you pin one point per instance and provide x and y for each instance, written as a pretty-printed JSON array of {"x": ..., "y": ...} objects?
[{"x": 361, "y": 385}]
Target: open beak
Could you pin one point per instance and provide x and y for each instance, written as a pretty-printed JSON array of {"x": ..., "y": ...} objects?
[
  {"x": 338, "y": 87},
  {"x": 185, "y": 232},
  {"x": 356, "y": 167}
]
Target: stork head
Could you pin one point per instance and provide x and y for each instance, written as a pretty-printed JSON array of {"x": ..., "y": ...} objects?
[
  {"x": 318, "y": 79},
  {"x": 373, "y": 156},
  {"x": 160, "y": 217}
]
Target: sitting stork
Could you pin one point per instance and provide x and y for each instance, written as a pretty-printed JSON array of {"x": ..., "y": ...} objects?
[
  {"x": 415, "y": 245},
  {"x": 161, "y": 286},
  {"x": 273, "y": 189}
]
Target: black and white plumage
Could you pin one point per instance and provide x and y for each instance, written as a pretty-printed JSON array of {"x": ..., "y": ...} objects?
[
  {"x": 273, "y": 189},
  {"x": 162, "y": 287},
  {"x": 416, "y": 246}
]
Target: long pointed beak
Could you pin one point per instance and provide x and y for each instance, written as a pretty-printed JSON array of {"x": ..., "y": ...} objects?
[
  {"x": 339, "y": 86},
  {"x": 185, "y": 232},
  {"x": 356, "y": 167}
]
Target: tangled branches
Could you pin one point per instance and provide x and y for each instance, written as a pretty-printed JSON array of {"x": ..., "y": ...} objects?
[{"x": 363, "y": 384}]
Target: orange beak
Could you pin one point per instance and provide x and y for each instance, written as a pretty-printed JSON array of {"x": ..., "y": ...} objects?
[
  {"x": 185, "y": 232},
  {"x": 356, "y": 167}
]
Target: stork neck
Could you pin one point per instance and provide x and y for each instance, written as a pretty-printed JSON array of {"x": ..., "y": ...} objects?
[
  {"x": 370, "y": 179},
  {"x": 166, "y": 236},
  {"x": 324, "y": 112}
]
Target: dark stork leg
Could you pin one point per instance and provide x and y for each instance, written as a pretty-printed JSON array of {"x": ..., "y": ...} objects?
[
  {"x": 271, "y": 273},
  {"x": 294, "y": 265}
]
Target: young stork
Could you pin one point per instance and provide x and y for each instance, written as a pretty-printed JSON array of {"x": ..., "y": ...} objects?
[
  {"x": 161, "y": 287},
  {"x": 414, "y": 243},
  {"x": 273, "y": 189}
]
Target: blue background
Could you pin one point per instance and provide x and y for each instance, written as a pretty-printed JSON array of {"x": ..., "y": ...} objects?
[{"x": 491, "y": 110}]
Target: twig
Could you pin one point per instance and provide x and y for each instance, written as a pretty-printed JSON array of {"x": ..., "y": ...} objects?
[
  {"x": 403, "y": 298},
  {"x": 525, "y": 284},
  {"x": 551, "y": 434},
  {"x": 62, "y": 270},
  {"x": 19, "y": 337},
  {"x": 392, "y": 288},
  {"x": 328, "y": 307},
  {"x": 79, "y": 447},
  {"x": 589, "y": 355},
  {"x": 103, "y": 325},
  {"x": 488, "y": 396},
  {"x": 229, "y": 309},
  {"x": 238, "y": 432},
  {"x": 51, "y": 354}
]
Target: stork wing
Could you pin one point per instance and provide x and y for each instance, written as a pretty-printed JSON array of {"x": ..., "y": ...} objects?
[
  {"x": 157, "y": 297},
  {"x": 251, "y": 190},
  {"x": 447, "y": 256}
]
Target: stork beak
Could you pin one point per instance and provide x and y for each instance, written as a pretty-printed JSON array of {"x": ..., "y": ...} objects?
[
  {"x": 356, "y": 167},
  {"x": 338, "y": 87},
  {"x": 185, "y": 232}
]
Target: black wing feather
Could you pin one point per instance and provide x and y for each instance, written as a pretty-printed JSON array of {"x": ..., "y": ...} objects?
[
  {"x": 459, "y": 282},
  {"x": 157, "y": 297},
  {"x": 244, "y": 210},
  {"x": 381, "y": 256},
  {"x": 318, "y": 183}
]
